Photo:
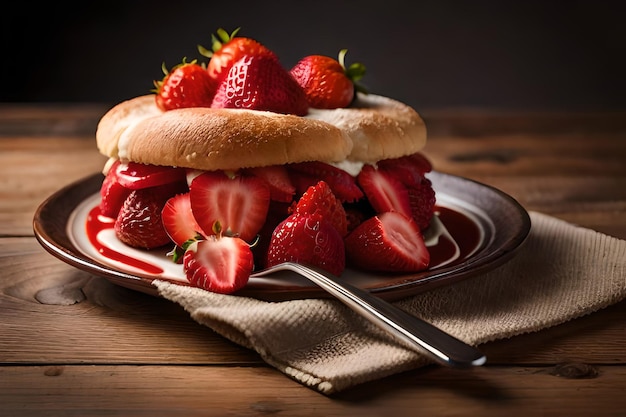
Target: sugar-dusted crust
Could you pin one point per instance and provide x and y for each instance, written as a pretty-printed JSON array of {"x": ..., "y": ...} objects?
[
  {"x": 374, "y": 128},
  {"x": 380, "y": 127}
]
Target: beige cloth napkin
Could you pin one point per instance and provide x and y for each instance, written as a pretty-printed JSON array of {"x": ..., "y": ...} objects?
[{"x": 560, "y": 273}]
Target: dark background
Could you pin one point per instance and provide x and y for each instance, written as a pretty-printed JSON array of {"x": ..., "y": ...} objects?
[{"x": 551, "y": 55}]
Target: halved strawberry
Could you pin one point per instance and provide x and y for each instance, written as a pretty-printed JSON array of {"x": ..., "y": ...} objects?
[
  {"x": 277, "y": 178},
  {"x": 186, "y": 85},
  {"x": 178, "y": 220},
  {"x": 343, "y": 185},
  {"x": 389, "y": 242},
  {"x": 384, "y": 191},
  {"x": 259, "y": 82},
  {"x": 319, "y": 199},
  {"x": 226, "y": 49},
  {"x": 309, "y": 239},
  {"x": 138, "y": 223},
  {"x": 238, "y": 202},
  {"x": 112, "y": 193},
  {"x": 219, "y": 264},
  {"x": 134, "y": 175}
]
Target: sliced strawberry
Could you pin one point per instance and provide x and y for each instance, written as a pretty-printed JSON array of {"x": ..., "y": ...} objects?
[
  {"x": 389, "y": 242},
  {"x": 306, "y": 174},
  {"x": 134, "y": 175},
  {"x": 239, "y": 203},
  {"x": 112, "y": 193},
  {"x": 218, "y": 264},
  {"x": 319, "y": 199},
  {"x": 422, "y": 200},
  {"x": 307, "y": 239},
  {"x": 139, "y": 222},
  {"x": 383, "y": 191},
  {"x": 259, "y": 82},
  {"x": 178, "y": 220},
  {"x": 409, "y": 170},
  {"x": 277, "y": 178}
]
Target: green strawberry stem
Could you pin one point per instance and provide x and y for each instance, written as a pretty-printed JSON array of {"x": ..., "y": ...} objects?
[
  {"x": 354, "y": 72},
  {"x": 217, "y": 42}
]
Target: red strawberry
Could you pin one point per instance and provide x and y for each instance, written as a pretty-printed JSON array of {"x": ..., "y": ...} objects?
[
  {"x": 277, "y": 178},
  {"x": 178, "y": 220},
  {"x": 307, "y": 239},
  {"x": 259, "y": 82},
  {"x": 384, "y": 191},
  {"x": 226, "y": 49},
  {"x": 186, "y": 85},
  {"x": 319, "y": 199},
  {"x": 134, "y": 175},
  {"x": 139, "y": 223},
  {"x": 277, "y": 212},
  {"x": 357, "y": 213},
  {"x": 218, "y": 264},
  {"x": 326, "y": 81},
  {"x": 408, "y": 169},
  {"x": 112, "y": 193},
  {"x": 239, "y": 203},
  {"x": 343, "y": 185},
  {"x": 422, "y": 200},
  {"x": 389, "y": 242}
]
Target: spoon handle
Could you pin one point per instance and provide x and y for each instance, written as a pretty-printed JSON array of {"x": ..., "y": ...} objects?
[{"x": 414, "y": 332}]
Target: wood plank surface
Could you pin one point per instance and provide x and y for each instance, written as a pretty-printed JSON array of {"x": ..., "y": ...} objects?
[
  {"x": 258, "y": 391},
  {"x": 74, "y": 344}
]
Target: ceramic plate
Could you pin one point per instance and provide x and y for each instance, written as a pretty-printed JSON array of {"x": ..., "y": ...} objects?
[{"x": 477, "y": 228}]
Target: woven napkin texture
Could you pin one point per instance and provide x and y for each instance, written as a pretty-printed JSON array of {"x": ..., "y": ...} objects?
[{"x": 560, "y": 273}]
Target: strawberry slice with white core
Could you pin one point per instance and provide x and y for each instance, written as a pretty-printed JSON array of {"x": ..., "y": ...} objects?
[
  {"x": 389, "y": 242},
  {"x": 239, "y": 203},
  {"x": 218, "y": 264},
  {"x": 178, "y": 220},
  {"x": 383, "y": 191}
]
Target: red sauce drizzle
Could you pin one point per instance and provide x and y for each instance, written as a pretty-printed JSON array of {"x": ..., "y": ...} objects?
[
  {"x": 95, "y": 226},
  {"x": 463, "y": 230}
]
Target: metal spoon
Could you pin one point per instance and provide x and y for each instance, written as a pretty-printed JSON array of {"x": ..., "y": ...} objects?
[{"x": 412, "y": 331}]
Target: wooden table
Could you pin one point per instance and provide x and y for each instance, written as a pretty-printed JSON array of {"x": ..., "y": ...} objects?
[{"x": 118, "y": 352}]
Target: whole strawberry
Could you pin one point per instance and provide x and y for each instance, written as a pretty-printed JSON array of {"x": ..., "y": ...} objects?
[
  {"x": 319, "y": 199},
  {"x": 258, "y": 82},
  {"x": 226, "y": 49},
  {"x": 139, "y": 222},
  {"x": 309, "y": 239},
  {"x": 186, "y": 85},
  {"x": 327, "y": 82}
]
